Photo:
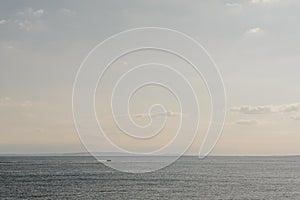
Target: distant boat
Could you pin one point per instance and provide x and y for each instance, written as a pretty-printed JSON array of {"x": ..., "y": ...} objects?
[{"x": 108, "y": 160}]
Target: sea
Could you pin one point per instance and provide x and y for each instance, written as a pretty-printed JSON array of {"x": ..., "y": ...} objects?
[{"x": 82, "y": 177}]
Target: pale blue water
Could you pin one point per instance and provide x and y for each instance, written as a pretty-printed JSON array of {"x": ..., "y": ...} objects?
[{"x": 188, "y": 178}]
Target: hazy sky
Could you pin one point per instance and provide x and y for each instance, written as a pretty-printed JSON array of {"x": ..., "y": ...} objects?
[{"x": 255, "y": 44}]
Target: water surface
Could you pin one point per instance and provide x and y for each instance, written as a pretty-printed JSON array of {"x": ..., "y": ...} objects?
[{"x": 188, "y": 178}]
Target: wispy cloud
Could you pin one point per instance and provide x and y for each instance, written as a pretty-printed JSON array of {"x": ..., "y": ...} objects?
[
  {"x": 295, "y": 117},
  {"x": 247, "y": 122},
  {"x": 66, "y": 11},
  {"x": 263, "y": 1},
  {"x": 25, "y": 25},
  {"x": 4, "y": 101},
  {"x": 4, "y": 21},
  {"x": 38, "y": 13},
  {"x": 25, "y": 19},
  {"x": 9, "y": 102},
  {"x": 254, "y": 30},
  {"x": 267, "y": 109},
  {"x": 29, "y": 18},
  {"x": 30, "y": 12},
  {"x": 234, "y": 8},
  {"x": 157, "y": 114},
  {"x": 233, "y": 5},
  {"x": 252, "y": 109}
]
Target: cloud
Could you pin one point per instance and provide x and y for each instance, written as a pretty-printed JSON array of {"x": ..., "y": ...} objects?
[
  {"x": 158, "y": 114},
  {"x": 9, "y": 102},
  {"x": 4, "y": 21},
  {"x": 38, "y": 13},
  {"x": 66, "y": 11},
  {"x": 246, "y": 122},
  {"x": 254, "y": 31},
  {"x": 5, "y": 101},
  {"x": 234, "y": 8},
  {"x": 252, "y": 109},
  {"x": 290, "y": 108},
  {"x": 28, "y": 19},
  {"x": 21, "y": 24},
  {"x": 233, "y": 5},
  {"x": 295, "y": 117},
  {"x": 263, "y": 1},
  {"x": 25, "y": 25},
  {"x": 31, "y": 13},
  {"x": 267, "y": 109}
]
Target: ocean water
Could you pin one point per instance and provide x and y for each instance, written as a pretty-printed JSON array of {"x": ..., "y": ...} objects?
[{"x": 188, "y": 178}]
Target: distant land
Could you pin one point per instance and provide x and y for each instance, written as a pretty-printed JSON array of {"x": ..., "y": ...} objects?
[
  {"x": 81, "y": 154},
  {"x": 111, "y": 154}
]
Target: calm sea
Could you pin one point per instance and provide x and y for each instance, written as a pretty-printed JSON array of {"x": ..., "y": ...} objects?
[{"x": 188, "y": 178}]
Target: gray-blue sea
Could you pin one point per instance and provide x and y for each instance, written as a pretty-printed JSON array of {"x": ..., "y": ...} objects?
[{"x": 50, "y": 177}]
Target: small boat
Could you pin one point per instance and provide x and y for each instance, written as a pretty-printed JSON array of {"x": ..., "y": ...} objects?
[{"x": 108, "y": 160}]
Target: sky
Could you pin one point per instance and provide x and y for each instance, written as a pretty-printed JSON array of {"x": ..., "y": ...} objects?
[{"x": 255, "y": 44}]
